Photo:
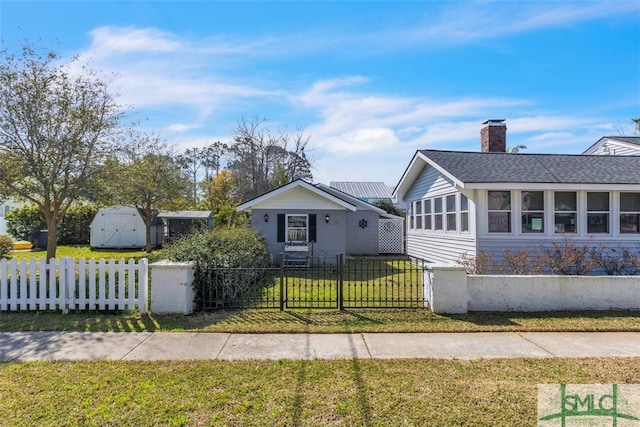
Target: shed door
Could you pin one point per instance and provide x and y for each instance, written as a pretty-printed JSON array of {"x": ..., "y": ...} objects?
[
  {"x": 120, "y": 230},
  {"x": 391, "y": 236}
]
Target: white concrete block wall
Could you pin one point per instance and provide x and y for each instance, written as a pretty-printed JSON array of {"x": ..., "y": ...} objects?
[
  {"x": 545, "y": 293},
  {"x": 451, "y": 290},
  {"x": 171, "y": 287}
]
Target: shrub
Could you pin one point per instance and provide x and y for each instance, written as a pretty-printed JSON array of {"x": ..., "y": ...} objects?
[
  {"x": 6, "y": 245},
  {"x": 75, "y": 226},
  {"x": 479, "y": 264},
  {"x": 21, "y": 222},
  {"x": 523, "y": 262},
  {"x": 218, "y": 253},
  {"x": 618, "y": 261},
  {"x": 566, "y": 258}
]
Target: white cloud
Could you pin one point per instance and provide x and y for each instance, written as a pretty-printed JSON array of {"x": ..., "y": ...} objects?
[{"x": 363, "y": 140}]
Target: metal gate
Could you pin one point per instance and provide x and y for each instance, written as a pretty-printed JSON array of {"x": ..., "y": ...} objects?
[{"x": 338, "y": 283}]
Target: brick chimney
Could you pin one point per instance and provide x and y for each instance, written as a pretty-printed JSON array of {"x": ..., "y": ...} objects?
[{"x": 493, "y": 136}]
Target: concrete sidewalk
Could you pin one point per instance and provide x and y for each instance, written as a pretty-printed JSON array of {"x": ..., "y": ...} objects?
[{"x": 31, "y": 346}]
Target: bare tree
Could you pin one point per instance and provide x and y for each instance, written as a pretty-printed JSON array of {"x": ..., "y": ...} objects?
[
  {"x": 55, "y": 127},
  {"x": 261, "y": 160}
]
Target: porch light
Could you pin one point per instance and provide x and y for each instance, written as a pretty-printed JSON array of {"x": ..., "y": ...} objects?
[
  {"x": 266, "y": 217},
  {"x": 327, "y": 218}
]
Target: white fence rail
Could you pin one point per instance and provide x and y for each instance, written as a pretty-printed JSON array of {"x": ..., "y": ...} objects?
[{"x": 73, "y": 285}]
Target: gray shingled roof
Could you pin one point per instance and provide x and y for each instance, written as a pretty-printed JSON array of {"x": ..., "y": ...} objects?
[
  {"x": 368, "y": 190},
  {"x": 476, "y": 167}
]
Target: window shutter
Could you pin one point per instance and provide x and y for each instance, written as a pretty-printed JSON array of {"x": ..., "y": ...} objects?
[
  {"x": 312, "y": 228},
  {"x": 281, "y": 228}
]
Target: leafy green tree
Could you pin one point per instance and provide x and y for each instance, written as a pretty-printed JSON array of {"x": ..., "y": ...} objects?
[
  {"x": 388, "y": 206},
  {"x": 147, "y": 176},
  {"x": 75, "y": 229},
  {"x": 55, "y": 128},
  {"x": 516, "y": 149}
]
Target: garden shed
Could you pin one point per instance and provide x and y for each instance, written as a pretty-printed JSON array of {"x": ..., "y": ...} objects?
[
  {"x": 122, "y": 227},
  {"x": 177, "y": 223}
]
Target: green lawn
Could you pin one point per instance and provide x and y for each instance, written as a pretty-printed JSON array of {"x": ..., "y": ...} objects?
[
  {"x": 80, "y": 251},
  {"x": 321, "y": 321},
  {"x": 292, "y": 393}
]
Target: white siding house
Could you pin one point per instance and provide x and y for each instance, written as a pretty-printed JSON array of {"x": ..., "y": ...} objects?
[
  {"x": 470, "y": 202},
  {"x": 465, "y": 202}
]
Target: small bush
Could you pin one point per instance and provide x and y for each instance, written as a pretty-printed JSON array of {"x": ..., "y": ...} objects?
[
  {"x": 6, "y": 245},
  {"x": 618, "y": 261},
  {"x": 523, "y": 262},
  {"x": 21, "y": 222},
  {"x": 566, "y": 258},
  {"x": 479, "y": 264},
  {"x": 217, "y": 252}
]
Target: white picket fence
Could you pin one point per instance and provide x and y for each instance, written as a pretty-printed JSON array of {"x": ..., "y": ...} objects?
[{"x": 73, "y": 285}]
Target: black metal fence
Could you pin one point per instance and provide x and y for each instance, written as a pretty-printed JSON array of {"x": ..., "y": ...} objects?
[{"x": 354, "y": 282}]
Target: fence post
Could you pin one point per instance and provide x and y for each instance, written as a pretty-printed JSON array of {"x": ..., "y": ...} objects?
[
  {"x": 171, "y": 287},
  {"x": 282, "y": 262},
  {"x": 143, "y": 284},
  {"x": 340, "y": 281},
  {"x": 448, "y": 289}
]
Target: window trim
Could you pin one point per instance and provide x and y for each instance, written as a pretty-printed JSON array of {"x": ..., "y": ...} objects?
[
  {"x": 626, "y": 212},
  {"x": 508, "y": 212},
  {"x": 589, "y": 213}
]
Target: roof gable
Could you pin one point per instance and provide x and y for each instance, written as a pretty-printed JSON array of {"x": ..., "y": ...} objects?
[
  {"x": 296, "y": 195},
  {"x": 624, "y": 144}
]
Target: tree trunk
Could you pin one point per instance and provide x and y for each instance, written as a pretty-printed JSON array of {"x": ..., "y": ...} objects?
[{"x": 52, "y": 239}]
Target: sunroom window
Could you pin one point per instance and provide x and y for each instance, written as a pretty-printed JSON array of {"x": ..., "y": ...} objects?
[
  {"x": 499, "y": 214},
  {"x": 597, "y": 212},
  {"x": 532, "y": 211},
  {"x": 427, "y": 214},
  {"x": 437, "y": 213},
  {"x": 464, "y": 213},
  {"x": 565, "y": 211},
  {"x": 451, "y": 212},
  {"x": 629, "y": 213},
  {"x": 418, "y": 211}
]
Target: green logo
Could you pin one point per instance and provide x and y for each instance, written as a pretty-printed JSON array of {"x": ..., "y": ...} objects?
[{"x": 588, "y": 404}]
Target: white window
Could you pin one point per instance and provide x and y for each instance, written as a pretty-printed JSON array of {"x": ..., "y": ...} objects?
[
  {"x": 418, "y": 211},
  {"x": 297, "y": 228},
  {"x": 451, "y": 212},
  {"x": 532, "y": 211},
  {"x": 565, "y": 204},
  {"x": 464, "y": 213},
  {"x": 499, "y": 212},
  {"x": 597, "y": 212},
  {"x": 629, "y": 213},
  {"x": 437, "y": 213},
  {"x": 427, "y": 214}
]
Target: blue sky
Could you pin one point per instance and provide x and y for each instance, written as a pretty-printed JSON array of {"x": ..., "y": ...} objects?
[{"x": 370, "y": 82}]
